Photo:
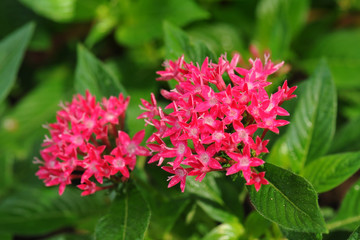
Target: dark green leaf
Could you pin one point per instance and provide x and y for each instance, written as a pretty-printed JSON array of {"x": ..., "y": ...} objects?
[
  {"x": 328, "y": 172},
  {"x": 278, "y": 22},
  {"x": 289, "y": 200},
  {"x": 291, "y": 235},
  {"x": 313, "y": 125},
  {"x": 143, "y": 19},
  {"x": 348, "y": 216},
  {"x": 256, "y": 225},
  {"x": 346, "y": 139},
  {"x": 12, "y": 49},
  {"x": 178, "y": 43},
  {"x": 92, "y": 75},
  {"x": 343, "y": 61},
  {"x": 31, "y": 211},
  {"x": 128, "y": 218},
  {"x": 355, "y": 235}
]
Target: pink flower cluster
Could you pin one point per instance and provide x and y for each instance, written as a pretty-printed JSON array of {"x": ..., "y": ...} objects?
[
  {"x": 213, "y": 125},
  {"x": 87, "y": 143}
]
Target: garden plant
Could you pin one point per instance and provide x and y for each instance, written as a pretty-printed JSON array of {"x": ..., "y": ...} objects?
[{"x": 153, "y": 120}]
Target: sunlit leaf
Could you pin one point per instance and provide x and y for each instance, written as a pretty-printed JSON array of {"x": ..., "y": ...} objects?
[{"x": 328, "y": 172}]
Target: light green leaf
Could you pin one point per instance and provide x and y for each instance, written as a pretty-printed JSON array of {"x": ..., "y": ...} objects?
[
  {"x": 92, "y": 75},
  {"x": 313, "y": 125},
  {"x": 127, "y": 219},
  {"x": 355, "y": 235},
  {"x": 278, "y": 22},
  {"x": 328, "y": 172},
  {"x": 348, "y": 216},
  {"x": 12, "y": 49},
  {"x": 143, "y": 19},
  {"x": 57, "y": 10},
  {"x": 229, "y": 231},
  {"x": 35, "y": 211},
  {"x": 215, "y": 211},
  {"x": 288, "y": 200},
  {"x": 18, "y": 131},
  {"x": 343, "y": 61}
]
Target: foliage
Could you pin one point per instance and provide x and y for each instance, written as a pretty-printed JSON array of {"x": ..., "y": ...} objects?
[{"x": 51, "y": 49}]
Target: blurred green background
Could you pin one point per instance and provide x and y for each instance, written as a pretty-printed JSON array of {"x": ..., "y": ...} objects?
[{"x": 48, "y": 48}]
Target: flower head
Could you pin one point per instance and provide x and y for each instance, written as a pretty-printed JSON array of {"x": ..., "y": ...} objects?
[
  {"x": 214, "y": 124},
  {"x": 87, "y": 143}
]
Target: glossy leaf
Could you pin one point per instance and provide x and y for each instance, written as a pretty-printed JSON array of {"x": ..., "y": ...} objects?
[
  {"x": 12, "y": 49},
  {"x": 313, "y": 125},
  {"x": 355, "y": 235},
  {"x": 34, "y": 211},
  {"x": 348, "y": 216},
  {"x": 344, "y": 61},
  {"x": 328, "y": 172},
  {"x": 91, "y": 74},
  {"x": 127, "y": 219},
  {"x": 143, "y": 19},
  {"x": 278, "y": 22},
  {"x": 289, "y": 200}
]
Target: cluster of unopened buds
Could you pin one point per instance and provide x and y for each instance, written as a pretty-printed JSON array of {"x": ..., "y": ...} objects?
[
  {"x": 87, "y": 144},
  {"x": 217, "y": 119}
]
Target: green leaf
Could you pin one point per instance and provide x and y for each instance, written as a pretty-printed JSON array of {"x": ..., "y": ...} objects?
[
  {"x": 19, "y": 131},
  {"x": 142, "y": 20},
  {"x": 291, "y": 235},
  {"x": 288, "y": 200},
  {"x": 216, "y": 211},
  {"x": 34, "y": 211},
  {"x": 207, "y": 188},
  {"x": 313, "y": 125},
  {"x": 328, "y": 172},
  {"x": 256, "y": 225},
  {"x": 355, "y": 235},
  {"x": 278, "y": 22},
  {"x": 229, "y": 231},
  {"x": 178, "y": 43},
  {"x": 128, "y": 218},
  {"x": 348, "y": 216},
  {"x": 12, "y": 49},
  {"x": 57, "y": 10},
  {"x": 344, "y": 61},
  {"x": 92, "y": 75},
  {"x": 346, "y": 139}
]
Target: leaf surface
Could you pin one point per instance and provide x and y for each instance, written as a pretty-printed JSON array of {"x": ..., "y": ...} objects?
[{"x": 288, "y": 200}]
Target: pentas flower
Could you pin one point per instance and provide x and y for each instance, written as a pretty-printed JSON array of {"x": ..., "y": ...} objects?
[
  {"x": 213, "y": 124},
  {"x": 87, "y": 142}
]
